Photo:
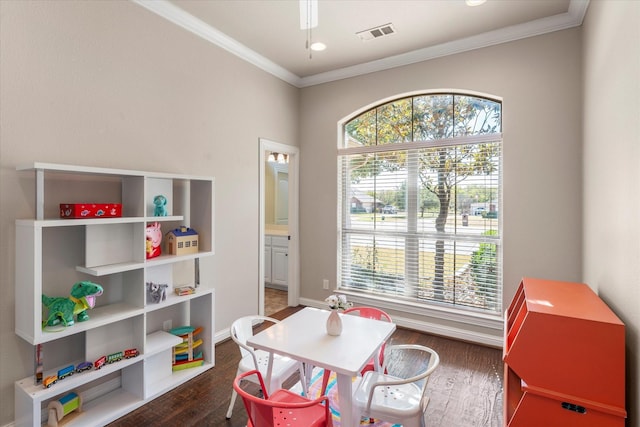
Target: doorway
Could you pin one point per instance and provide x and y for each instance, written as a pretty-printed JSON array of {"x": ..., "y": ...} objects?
[{"x": 278, "y": 242}]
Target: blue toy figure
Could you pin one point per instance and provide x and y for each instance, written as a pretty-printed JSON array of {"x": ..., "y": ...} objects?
[{"x": 160, "y": 203}]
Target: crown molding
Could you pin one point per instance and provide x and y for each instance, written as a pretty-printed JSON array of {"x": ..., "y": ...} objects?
[
  {"x": 169, "y": 11},
  {"x": 563, "y": 21}
]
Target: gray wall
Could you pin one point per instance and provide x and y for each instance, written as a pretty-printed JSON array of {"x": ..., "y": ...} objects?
[
  {"x": 111, "y": 84},
  {"x": 539, "y": 82},
  {"x": 611, "y": 135}
]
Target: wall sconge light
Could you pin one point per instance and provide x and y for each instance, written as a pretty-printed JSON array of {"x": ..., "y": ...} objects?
[{"x": 278, "y": 157}]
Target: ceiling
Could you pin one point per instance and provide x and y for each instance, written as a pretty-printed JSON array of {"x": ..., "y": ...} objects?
[{"x": 267, "y": 32}]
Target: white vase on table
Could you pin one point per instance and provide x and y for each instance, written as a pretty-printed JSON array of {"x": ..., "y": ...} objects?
[{"x": 334, "y": 323}]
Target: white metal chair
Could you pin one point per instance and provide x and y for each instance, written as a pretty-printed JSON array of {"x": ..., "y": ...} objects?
[
  {"x": 373, "y": 364},
  {"x": 399, "y": 395},
  {"x": 283, "y": 367}
]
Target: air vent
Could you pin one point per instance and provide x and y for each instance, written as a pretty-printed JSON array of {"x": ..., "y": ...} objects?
[{"x": 376, "y": 32}]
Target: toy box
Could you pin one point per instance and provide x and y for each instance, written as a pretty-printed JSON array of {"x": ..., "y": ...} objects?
[
  {"x": 90, "y": 210},
  {"x": 182, "y": 241}
]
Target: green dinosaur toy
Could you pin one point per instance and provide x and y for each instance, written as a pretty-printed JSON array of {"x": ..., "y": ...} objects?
[{"x": 62, "y": 309}]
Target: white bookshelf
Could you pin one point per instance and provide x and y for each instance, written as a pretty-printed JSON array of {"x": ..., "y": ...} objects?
[{"x": 52, "y": 254}]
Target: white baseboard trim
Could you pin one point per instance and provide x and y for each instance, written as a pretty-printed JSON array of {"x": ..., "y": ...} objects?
[
  {"x": 456, "y": 332},
  {"x": 221, "y": 335},
  {"x": 491, "y": 338}
]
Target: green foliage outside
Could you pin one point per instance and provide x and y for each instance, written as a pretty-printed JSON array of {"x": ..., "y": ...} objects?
[
  {"x": 439, "y": 169},
  {"x": 383, "y": 269},
  {"x": 484, "y": 263}
]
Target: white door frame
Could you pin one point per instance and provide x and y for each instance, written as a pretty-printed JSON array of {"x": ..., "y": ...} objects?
[{"x": 293, "y": 282}]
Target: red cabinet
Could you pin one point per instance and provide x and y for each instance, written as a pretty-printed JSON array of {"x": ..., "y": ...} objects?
[{"x": 564, "y": 357}]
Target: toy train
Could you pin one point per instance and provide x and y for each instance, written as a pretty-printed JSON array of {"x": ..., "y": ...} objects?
[
  {"x": 62, "y": 374},
  {"x": 86, "y": 366},
  {"x": 115, "y": 357}
]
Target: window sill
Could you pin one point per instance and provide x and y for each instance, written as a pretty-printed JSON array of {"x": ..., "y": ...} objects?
[
  {"x": 481, "y": 328},
  {"x": 484, "y": 320}
]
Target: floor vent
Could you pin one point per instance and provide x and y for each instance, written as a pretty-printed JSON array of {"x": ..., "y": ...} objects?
[{"x": 376, "y": 32}]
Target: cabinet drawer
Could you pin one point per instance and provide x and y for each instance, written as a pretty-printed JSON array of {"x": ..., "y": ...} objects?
[{"x": 280, "y": 241}]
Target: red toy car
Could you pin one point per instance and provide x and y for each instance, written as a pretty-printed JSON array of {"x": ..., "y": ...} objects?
[
  {"x": 100, "y": 362},
  {"x": 132, "y": 352}
]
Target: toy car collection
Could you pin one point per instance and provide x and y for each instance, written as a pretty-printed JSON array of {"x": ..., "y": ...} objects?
[{"x": 87, "y": 366}]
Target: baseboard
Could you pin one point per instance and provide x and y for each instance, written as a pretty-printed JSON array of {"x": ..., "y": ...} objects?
[{"x": 491, "y": 337}]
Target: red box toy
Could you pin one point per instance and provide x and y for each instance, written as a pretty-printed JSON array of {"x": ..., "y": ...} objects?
[{"x": 90, "y": 210}]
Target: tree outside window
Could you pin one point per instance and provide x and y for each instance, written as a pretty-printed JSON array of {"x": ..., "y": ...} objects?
[{"x": 433, "y": 162}]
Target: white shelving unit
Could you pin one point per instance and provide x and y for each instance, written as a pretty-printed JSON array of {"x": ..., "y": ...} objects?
[{"x": 52, "y": 254}]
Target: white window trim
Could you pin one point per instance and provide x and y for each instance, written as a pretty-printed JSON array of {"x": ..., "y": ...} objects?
[{"x": 468, "y": 316}]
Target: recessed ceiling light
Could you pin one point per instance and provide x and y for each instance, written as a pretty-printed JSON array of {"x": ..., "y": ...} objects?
[
  {"x": 474, "y": 2},
  {"x": 318, "y": 46}
]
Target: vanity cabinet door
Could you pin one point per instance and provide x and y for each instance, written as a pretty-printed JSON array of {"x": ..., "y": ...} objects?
[
  {"x": 279, "y": 260},
  {"x": 279, "y": 265}
]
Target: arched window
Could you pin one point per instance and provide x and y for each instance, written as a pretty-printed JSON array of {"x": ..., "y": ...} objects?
[{"x": 420, "y": 184}]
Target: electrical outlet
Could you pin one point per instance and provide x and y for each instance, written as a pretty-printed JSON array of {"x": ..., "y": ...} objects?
[
  {"x": 166, "y": 325},
  {"x": 325, "y": 284}
]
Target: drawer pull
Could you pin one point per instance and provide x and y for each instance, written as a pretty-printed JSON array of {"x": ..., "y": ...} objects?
[{"x": 575, "y": 408}]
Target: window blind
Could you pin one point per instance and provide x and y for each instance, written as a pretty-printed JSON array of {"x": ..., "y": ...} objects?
[{"x": 420, "y": 219}]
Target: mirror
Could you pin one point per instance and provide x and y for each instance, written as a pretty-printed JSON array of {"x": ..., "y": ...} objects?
[{"x": 276, "y": 193}]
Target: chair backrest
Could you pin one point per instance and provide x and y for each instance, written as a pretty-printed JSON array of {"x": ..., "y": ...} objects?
[
  {"x": 371, "y": 313},
  {"x": 242, "y": 329},
  {"x": 263, "y": 412},
  {"x": 409, "y": 363}
]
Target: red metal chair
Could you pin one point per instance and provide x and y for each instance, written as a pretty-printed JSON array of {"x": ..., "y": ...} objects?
[
  {"x": 283, "y": 367},
  {"x": 282, "y": 407},
  {"x": 370, "y": 313}
]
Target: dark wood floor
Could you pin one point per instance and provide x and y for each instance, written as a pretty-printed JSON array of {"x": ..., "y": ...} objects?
[{"x": 465, "y": 390}]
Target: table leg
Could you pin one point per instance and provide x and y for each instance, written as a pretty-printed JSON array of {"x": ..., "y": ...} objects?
[
  {"x": 376, "y": 360},
  {"x": 347, "y": 416},
  {"x": 308, "y": 373},
  {"x": 267, "y": 383}
]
